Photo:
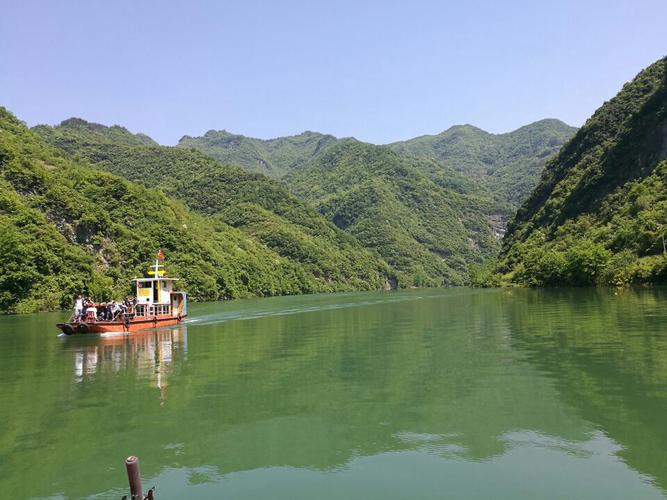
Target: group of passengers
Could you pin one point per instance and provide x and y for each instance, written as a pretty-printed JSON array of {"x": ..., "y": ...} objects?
[{"x": 86, "y": 310}]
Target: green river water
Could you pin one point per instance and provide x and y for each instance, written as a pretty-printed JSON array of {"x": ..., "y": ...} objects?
[{"x": 422, "y": 394}]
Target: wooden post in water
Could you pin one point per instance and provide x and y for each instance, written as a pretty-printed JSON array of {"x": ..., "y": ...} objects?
[{"x": 132, "y": 466}]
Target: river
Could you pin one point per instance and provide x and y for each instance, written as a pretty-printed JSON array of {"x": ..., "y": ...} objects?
[{"x": 420, "y": 394}]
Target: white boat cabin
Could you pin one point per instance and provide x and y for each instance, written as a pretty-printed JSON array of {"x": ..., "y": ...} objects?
[{"x": 156, "y": 297}]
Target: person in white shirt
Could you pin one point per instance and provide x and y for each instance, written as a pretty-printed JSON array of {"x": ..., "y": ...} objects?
[
  {"x": 91, "y": 312},
  {"x": 78, "y": 308},
  {"x": 115, "y": 309}
]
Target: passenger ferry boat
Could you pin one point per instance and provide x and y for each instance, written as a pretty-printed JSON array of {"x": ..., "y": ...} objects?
[{"x": 157, "y": 305}]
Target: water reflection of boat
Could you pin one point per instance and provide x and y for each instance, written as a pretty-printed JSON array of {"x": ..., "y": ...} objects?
[
  {"x": 150, "y": 354},
  {"x": 157, "y": 305}
]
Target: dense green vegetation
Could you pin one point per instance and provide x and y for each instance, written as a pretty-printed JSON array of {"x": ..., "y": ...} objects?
[
  {"x": 499, "y": 171},
  {"x": 423, "y": 212},
  {"x": 507, "y": 165},
  {"x": 599, "y": 213},
  {"x": 273, "y": 157},
  {"x": 69, "y": 228},
  {"x": 83, "y": 132},
  {"x": 430, "y": 234},
  {"x": 257, "y": 205},
  {"x": 430, "y": 210}
]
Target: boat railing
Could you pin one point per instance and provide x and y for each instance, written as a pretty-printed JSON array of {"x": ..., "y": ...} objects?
[{"x": 151, "y": 310}]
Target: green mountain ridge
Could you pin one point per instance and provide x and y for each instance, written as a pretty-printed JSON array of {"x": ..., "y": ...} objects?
[
  {"x": 599, "y": 212},
  {"x": 428, "y": 233},
  {"x": 341, "y": 214},
  {"x": 504, "y": 165},
  {"x": 430, "y": 216},
  {"x": 508, "y": 165},
  {"x": 260, "y": 207},
  {"x": 96, "y": 132},
  {"x": 272, "y": 157},
  {"x": 66, "y": 228}
]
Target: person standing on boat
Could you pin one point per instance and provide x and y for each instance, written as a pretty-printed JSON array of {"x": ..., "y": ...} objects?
[
  {"x": 115, "y": 309},
  {"x": 78, "y": 308},
  {"x": 91, "y": 312}
]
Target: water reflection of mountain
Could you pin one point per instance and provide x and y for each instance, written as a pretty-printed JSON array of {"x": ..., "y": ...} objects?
[
  {"x": 469, "y": 376},
  {"x": 607, "y": 352}
]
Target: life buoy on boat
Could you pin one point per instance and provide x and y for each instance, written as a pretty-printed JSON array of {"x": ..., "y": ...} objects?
[
  {"x": 67, "y": 329},
  {"x": 82, "y": 328}
]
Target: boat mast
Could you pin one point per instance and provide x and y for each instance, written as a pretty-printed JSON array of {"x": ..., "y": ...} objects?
[{"x": 158, "y": 258}]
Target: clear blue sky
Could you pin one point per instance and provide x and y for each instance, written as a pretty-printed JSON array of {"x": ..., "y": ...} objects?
[{"x": 377, "y": 70}]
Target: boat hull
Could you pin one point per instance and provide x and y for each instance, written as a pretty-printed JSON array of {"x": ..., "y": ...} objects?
[{"x": 135, "y": 325}]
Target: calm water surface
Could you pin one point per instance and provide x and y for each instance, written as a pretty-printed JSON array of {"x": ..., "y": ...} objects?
[{"x": 426, "y": 394}]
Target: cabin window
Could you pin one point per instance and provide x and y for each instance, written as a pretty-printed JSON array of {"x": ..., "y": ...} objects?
[{"x": 144, "y": 289}]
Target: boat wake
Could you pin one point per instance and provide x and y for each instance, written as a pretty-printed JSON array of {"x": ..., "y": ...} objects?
[{"x": 259, "y": 312}]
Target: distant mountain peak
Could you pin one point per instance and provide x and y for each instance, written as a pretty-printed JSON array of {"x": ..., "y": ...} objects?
[
  {"x": 98, "y": 131},
  {"x": 213, "y": 134},
  {"x": 467, "y": 127},
  {"x": 273, "y": 157},
  {"x": 79, "y": 122}
]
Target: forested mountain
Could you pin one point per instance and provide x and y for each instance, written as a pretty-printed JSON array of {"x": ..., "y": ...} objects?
[
  {"x": 429, "y": 233},
  {"x": 253, "y": 203},
  {"x": 430, "y": 218},
  {"x": 66, "y": 228},
  {"x": 506, "y": 165},
  {"x": 599, "y": 212},
  {"x": 94, "y": 133},
  {"x": 416, "y": 213},
  {"x": 273, "y": 157},
  {"x": 509, "y": 165}
]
